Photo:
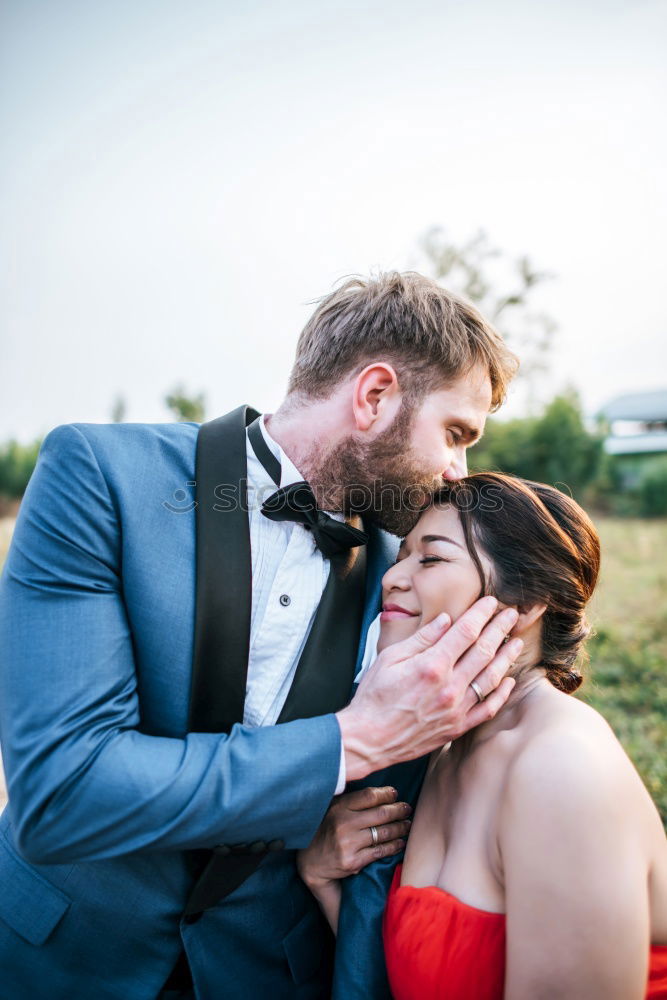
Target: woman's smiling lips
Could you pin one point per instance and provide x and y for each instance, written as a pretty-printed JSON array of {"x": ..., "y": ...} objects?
[{"x": 394, "y": 612}]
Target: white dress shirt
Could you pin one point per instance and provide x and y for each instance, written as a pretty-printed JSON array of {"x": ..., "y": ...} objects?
[
  {"x": 289, "y": 574},
  {"x": 371, "y": 648}
]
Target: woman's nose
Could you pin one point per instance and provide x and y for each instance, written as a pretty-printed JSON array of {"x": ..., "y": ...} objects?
[{"x": 396, "y": 578}]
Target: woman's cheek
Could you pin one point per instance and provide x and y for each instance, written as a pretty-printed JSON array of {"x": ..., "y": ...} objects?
[
  {"x": 434, "y": 594},
  {"x": 448, "y": 592},
  {"x": 463, "y": 600}
]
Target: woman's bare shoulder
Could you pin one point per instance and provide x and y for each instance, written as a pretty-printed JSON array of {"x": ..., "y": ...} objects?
[{"x": 570, "y": 758}]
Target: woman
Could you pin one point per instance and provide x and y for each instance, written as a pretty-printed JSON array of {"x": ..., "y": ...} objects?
[{"x": 537, "y": 863}]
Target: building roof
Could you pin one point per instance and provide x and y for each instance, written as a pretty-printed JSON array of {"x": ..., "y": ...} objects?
[
  {"x": 654, "y": 442},
  {"x": 642, "y": 406}
]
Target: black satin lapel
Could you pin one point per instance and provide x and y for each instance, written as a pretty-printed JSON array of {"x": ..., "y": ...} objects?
[
  {"x": 224, "y": 575},
  {"x": 326, "y": 670}
]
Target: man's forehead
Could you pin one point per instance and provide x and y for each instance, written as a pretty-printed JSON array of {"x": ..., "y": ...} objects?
[{"x": 471, "y": 392}]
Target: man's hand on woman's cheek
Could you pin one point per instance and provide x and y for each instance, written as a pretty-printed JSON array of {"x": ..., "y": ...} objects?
[{"x": 417, "y": 696}]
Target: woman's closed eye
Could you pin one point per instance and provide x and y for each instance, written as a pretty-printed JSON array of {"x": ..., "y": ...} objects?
[{"x": 433, "y": 559}]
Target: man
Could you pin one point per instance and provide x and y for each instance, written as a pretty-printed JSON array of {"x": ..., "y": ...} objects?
[{"x": 175, "y": 671}]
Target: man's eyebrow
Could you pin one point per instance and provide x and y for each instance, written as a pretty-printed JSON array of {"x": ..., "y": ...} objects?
[
  {"x": 440, "y": 538},
  {"x": 472, "y": 433}
]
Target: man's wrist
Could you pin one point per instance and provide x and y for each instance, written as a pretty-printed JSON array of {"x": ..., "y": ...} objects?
[{"x": 361, "y": 757}]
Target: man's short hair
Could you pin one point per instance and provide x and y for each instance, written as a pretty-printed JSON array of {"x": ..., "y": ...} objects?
[{"x": 430, "y": 336}]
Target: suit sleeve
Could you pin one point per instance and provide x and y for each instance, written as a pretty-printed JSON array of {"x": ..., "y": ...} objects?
[{"x": 84, "y": 782}]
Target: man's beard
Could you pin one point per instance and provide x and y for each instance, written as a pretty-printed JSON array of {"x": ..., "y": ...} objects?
[{"x": 384, "y": 479}]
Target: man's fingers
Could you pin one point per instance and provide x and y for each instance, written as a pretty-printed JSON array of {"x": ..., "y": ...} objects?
[
  {"x": 424, "y": 638},
  {"x": 466, "y": 630},
  {"x": 488, "y": 679},
  {"x": 486, "y": 651},
  {"x": 490, "y": 707}
]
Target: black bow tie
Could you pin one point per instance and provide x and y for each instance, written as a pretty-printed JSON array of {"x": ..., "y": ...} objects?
[{"x": 297, "y": 502}]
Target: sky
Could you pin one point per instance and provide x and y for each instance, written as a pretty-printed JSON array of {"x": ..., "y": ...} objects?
[{"x": 180, "y": 181}]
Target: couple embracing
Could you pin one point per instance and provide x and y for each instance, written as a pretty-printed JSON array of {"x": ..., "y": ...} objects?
[{"x": 241, "y": 662}]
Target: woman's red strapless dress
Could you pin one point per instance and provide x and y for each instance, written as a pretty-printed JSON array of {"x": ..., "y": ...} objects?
[{"x": 438, "y": 948}]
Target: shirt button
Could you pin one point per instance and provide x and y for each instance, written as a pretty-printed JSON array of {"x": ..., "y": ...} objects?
[{"x": 285, "y": 600}]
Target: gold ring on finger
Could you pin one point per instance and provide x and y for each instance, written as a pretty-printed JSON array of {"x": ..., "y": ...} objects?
[
  {"x": 478, "y": 691},
  {"x": 374, "y": 835}
]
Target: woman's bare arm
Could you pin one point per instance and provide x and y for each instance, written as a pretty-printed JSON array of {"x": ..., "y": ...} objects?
[
  {"x": 575, "y": 872},
  {"x": 343, "y": 844}
]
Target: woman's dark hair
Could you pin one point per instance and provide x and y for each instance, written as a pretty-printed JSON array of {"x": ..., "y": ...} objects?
[{"x": 543, "y": 549}]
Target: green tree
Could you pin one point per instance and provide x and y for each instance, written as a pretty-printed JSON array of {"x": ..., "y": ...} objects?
[
  {"x": 16, "y": 464},
  {"x": 653, "y": 489},
  {"x": 554, "y": 448},
  {"x": 507, "y": 446},
  {"x": 184, "y": 407},
  {"x": 565, "y": 452}
]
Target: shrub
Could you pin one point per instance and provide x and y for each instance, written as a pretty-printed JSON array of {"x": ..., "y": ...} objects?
[
  {"x": 16, "y": 464},
  {"x": 555, "y": 448},
  {"x": 653, "y": 489}
]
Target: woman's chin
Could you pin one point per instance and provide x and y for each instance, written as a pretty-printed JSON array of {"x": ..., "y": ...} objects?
[{"x": 395, "y": 631}]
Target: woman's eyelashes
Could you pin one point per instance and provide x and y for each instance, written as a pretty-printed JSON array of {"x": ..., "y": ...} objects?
[{"x": 433, "y": 559}]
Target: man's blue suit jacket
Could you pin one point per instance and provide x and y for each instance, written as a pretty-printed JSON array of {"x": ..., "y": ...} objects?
[{"x": 108, "y": 789}]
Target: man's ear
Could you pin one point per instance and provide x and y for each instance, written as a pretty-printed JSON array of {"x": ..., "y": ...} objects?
[
  {"x": 376, "y": 396},
  {"x": 528, "y": 616}
]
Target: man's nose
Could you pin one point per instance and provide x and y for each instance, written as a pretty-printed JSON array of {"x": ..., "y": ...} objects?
[{"x": 458, "y": 469}]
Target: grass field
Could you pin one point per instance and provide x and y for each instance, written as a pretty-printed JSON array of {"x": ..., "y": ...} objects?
[{"x": 627, "y": 675}]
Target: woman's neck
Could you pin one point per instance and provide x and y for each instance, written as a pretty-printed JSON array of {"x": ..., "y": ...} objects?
[
  {"x": 530, "y": 679},
  {"x": 531, "y": 685}
]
